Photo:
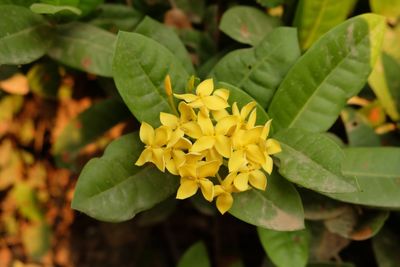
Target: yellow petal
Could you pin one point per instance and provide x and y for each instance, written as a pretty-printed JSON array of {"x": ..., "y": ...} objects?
[
  {"x": 144, "y": 157},
  {"x": 192, "y": 129},
  {"x": 179, "y": 158},
  {"x": 187, "y": 112},
  {"x": 272, "y": 146},
  {"x": 268, "y": 164},
  {"x": 223, "y": 145},
  {"x": 252, "y": 136},
  {"x": 187, "y": 170},
  {"x": 228, "y": 181},
  {"x": 183, "y": 143},
  {"x": 146, "y": 133},
  {"x": 247, "y": 109},
  {"x": 198, "y": 103},
  {"x": 213, "y": 155},
  {"x": 171, "y": 166},
  {"x": 175, "y": 136},
  {"x": 224, "y": 125},
  {"x": 193, "y": 157},
  {"x": 252, "y": 120},
  {"x": 207, "y": 188},
  {"x": 162, "y": 135},
  {"x": 219, "y": 114},
  {"x": 158, "y": 158},
  {"x": 235, "y": 109},
  {"x": 236, "y": 161},
  {"x": 254, "y": 153},
  {"x": 241, "y": 181},
  {"x": 218, "y": 189},
  {"x": 203, "y": 143},
  {"x": 187, "y": 189},
  {"x": 258, "y": 179},
  {"x": 205, "y": 88},
  {"x": 207, "y": 169},
  {"x": 265, "y": 131},
  {"x": 224, "y": 202},
  {"x": 215, "y": 102},
  {"x": 187, "y": 97},
  {"x": 223, "y": 93},
  {"x": 169, "y": 120},
  {"x": 205, "y": 124}
]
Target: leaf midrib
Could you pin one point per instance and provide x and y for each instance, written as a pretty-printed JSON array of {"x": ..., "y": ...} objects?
[{"x": 26, "y": 30}]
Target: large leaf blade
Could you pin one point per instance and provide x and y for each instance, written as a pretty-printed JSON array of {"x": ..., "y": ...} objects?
[
  {"x": 247, "y": 24},
  {"x": 261, "y": 69},
  {"x": 314, "y": 18},
  {"x": 23, "y": 35},
  {"x": 377, "y": 171},
  {"x": 195, "y": 256},
  {"x": 140, "y": 66},
  {"x": 278, "y": 207},
  {"x": 335, "y": 68},
  {"x": 313, "y": 161},
  {"x": 111, "y": 188},
  {"x": 84, "y": 47}
]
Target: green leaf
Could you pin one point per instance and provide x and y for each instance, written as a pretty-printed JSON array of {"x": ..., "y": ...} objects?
[
  {"x": 314, "y": 18},
  {"x": 313, "y": 161},
  {"x": 335, "y": 68},
  {"x": 116, "y": 17},
  {"x": 84, "y": 47},
  {"x": 388, "y": 8},
  {"x": 261, "y": 69},
  {"x": 384, "y": 81},
  {"x": 168, "y": 38},
  {"x": 195, "y": 256},
  {"x": 378, "y": 176},
  {"x": 241, "y": 98},
  {"x": 270, "y": 3},
  {"x": 247, "y": 24},
  {"x": 140, "y": 67},
  {"x": 278, "y": 207},
  {"x": 86, "y": 127},
  {"x": 87, "y": 6},
  {"x": 111, "y": 188},
  {"x": 40, "y": 8},
  {"x": 359, "y": 131},
  {"x": 278, "y": 245},
  {"x": 386, "y": 245},
  {"x": 25, "y": 3},
  {"x": 24, "y": 35}
]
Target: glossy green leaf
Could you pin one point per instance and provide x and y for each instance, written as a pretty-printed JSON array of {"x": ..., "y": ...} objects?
[
  {"x": 140, "y": 67},
  {"x": 114, "y": 17},
  {"x": 386, "y": 245},
  {"x": 86, "y": 127},
  {"x": 314, "y": 18},
  {"x": 278, "y": 207},
  {"x": 335, "y": 68},
  {"x": 111, "y": 188},
  {"x": 84, "y": 47},
  {"x": 25, "y": 3},
  {"x": 168, "y": 38},
  {"x": 247, "y": 24},
  {"x": 41, "y": 8},
  {"x": 261, "y": 69},
  {"x": 242, "y": 98},
  {"x": 385, "y": 82},
  {"x": 378, "y": 171},
  {"x": 359, "y": 131},
  {"x": 24, "y": 35},
  {"x": 195, "y": 256},
  {"x": 388, "y": 8},
  {"x": 278, "y": 245},
  {"x": 313, "y": 161}
]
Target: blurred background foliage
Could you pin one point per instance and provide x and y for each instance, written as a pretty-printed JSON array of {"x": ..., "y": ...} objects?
[{"x": 59, "y": 107}]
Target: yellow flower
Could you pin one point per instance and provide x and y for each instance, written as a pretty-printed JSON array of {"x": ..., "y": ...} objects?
[
  {"x": 223, "y": 193},
  {"x": 250, "y": 174},
  {"x": 269, "y": 146},
  {"x": 194, "y": 178},
  {"x": 243, "y": 114},
  {"x": 185, "y": 124},
  {"x": 154, "y": 141},
  {"x": 203, "y": 98},
  {"x": 214, "y": 137},
  {"x": 175, "y": 156}
]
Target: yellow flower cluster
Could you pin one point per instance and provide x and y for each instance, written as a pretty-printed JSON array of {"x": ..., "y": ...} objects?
[{"x": 204, "y": 139}]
